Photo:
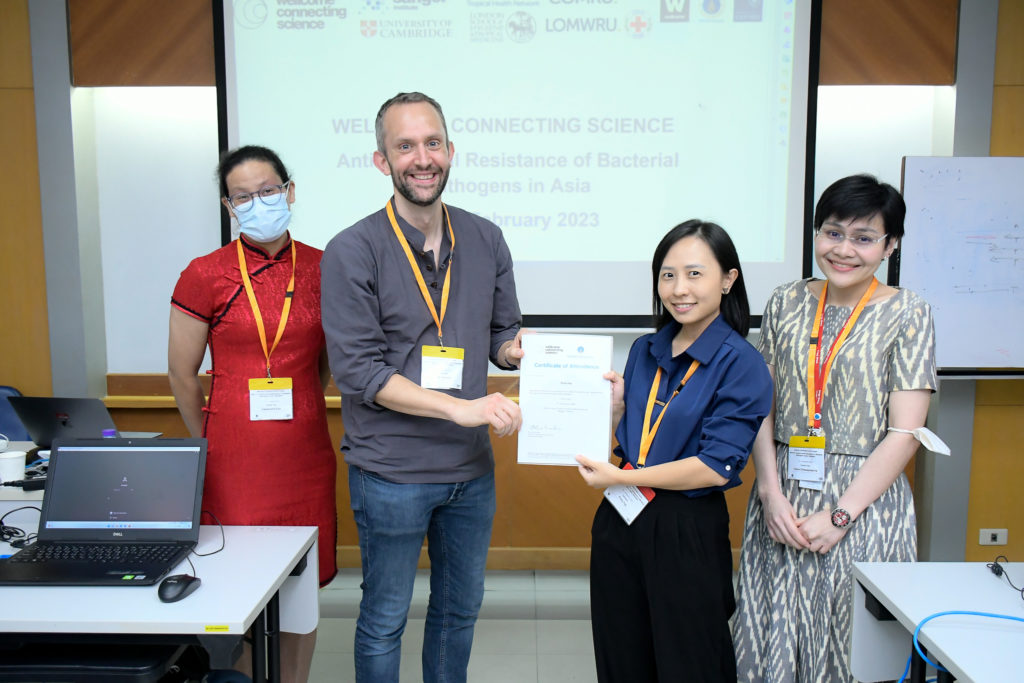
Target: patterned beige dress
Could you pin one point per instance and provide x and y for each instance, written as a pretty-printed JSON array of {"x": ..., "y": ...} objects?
[{"x": 793, "y": 614}]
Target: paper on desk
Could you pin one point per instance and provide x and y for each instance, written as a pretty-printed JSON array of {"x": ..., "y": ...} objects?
[{"x": 565, "y": 400}]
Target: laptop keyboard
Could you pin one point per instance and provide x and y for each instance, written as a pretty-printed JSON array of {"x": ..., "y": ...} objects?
[{"x": 102, "y": 553}]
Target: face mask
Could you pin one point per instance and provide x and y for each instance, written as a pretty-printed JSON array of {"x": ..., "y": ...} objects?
[
  {"x": 927, "y": 437},
  {"x": 264, "y": 223}
]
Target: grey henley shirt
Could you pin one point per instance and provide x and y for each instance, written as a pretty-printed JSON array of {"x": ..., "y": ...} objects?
[{"x": 376, "y": 323}]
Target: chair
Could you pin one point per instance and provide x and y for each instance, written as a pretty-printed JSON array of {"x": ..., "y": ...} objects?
[{"x": 10, "y": 425}]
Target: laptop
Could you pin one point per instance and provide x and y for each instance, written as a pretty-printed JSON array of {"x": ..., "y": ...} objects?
[
  {"x": 115, "y": 512},
  {"x": 48, "y": 418}
]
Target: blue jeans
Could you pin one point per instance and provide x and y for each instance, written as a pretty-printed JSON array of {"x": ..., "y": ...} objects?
[{"x": 392, "y": 520}]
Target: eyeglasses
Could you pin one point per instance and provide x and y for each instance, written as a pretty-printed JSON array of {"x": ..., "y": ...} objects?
[
  {"x": 271, "y": 195},
  {"x": 837, "y": 237}
]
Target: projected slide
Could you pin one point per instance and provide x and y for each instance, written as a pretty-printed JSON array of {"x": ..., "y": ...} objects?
[{"x": 584, "y": 128}]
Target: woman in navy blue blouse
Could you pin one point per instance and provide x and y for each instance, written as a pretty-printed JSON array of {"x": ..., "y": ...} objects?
[{"x": 691, "y": 400}]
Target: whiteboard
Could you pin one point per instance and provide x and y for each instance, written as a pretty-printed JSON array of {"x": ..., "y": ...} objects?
[{"x": 964, "y": 253}]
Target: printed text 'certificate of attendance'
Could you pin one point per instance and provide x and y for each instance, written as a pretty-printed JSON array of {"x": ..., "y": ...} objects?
[{"x": 565, "y": 400}]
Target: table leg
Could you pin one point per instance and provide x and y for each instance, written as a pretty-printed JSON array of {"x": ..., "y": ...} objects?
[
  {"x": 259, "y": 648},
  {"x": 918, "y": 669},
  {"x": 223, "y": 650},
  {"x": 274, "y": 639}
]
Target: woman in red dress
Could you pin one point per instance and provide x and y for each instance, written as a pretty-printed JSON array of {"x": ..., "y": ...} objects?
[{"x": 270, "y": 459}]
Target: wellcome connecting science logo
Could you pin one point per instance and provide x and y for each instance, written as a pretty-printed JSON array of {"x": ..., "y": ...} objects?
[
  {"x": 302, "y": 15},
  {"x": 250, "y": 14}
]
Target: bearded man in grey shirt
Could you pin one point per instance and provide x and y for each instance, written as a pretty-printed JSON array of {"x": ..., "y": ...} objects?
[{"x": 415, "y": 298}]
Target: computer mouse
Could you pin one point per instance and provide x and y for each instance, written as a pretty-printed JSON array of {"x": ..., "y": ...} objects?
[{"x": 177, "y": 587}]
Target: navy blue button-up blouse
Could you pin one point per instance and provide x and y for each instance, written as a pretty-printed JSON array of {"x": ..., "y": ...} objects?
[{"x": 717, "y": 414}]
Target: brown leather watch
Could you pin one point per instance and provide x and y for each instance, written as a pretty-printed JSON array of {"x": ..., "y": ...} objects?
[{"x": 841, "y": 518}]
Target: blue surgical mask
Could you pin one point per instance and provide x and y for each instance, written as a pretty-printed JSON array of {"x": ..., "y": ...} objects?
[{"x": 264, "y": 223}]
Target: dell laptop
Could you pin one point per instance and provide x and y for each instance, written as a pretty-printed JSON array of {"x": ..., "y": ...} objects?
[{"x": 115, "y": 512}]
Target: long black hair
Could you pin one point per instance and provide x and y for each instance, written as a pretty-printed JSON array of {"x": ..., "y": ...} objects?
[{"x": 735, "y": 308}]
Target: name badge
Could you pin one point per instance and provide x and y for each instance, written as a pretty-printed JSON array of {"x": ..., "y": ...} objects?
[
  {"x": 270, "y": 398},
  {"x": 441, "y": 367},
  {"x": 807, "y": 461},
  {"x": 629, "y": 501}
]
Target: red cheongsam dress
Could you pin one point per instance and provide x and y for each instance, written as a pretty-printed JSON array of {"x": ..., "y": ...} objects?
[{"x": 268, "y": 472}]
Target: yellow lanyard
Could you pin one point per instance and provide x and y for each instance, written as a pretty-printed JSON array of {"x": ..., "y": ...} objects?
[
  {"x": 438, "y": 319},
  {"x": 647, "y": 435},
  {"x": 256, "y": 307},
  {"x": 817, "y": 376}
]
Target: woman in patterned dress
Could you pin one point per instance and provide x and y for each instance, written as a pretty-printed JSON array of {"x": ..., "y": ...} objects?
[
  {"x": 874, "y": 369},
  {"x": 264, "y": 467}
]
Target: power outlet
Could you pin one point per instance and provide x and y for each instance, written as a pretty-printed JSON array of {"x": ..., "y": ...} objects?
[{"x": 992, "y": 537}]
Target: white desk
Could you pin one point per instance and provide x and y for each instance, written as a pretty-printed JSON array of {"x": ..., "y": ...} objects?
[
  {"x": 239, "y": 585},
  {"x": 972, "y": 648},
  {"x": 13, "y": 493},
  {"x": 9, "y": 495},
  {"x": 12, "y": 498}
]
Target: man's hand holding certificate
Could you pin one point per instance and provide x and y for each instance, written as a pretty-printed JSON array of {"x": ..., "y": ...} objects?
[{"x": 564, "y": 398}]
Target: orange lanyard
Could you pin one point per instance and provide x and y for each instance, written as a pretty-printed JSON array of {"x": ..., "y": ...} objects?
[
  {"x": 817, "y": 376},
  {"x": 647, "y": 435},
  {"x": 256, "y": 307},
  {"x": 438, "y": 319}
]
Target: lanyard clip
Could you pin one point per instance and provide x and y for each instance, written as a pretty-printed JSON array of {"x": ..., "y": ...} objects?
[
  {"x": 268, "y": 370},
  {"x": 814, "y": 431}
]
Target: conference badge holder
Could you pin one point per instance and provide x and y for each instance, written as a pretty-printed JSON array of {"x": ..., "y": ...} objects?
[
  {"x": 270, "y": 398},
  {"x": 807, "y": 461},
  {"x": 629, "y": 501},
  {"x": 441, "y": 367}
]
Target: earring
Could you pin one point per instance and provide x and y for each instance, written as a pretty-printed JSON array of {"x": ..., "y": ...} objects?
[{"x": 725, "y": 290}]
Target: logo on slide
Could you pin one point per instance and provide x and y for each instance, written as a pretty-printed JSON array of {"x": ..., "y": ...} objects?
[
  {"x": 404, "y": 29},
  {"x": 250, "y": 13},
  {"x": 637, "y": 24},
  {"x": 711, "y": 9},
  {"x": 747, "y": 10},
  {"x": 675, "y": 10},
  {"x": 413, "y": 4},
  {"x": 486, "y": 27},
  {"x": 521, "y": 27}
]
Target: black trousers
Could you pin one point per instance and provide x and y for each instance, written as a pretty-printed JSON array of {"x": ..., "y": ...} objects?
[{"x": 661, "y": 591}]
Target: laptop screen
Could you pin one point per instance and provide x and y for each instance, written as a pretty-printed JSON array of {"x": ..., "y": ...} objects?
[{"x": 124, "y": 489}]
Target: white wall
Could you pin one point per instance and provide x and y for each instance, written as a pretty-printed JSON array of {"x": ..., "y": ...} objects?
[
  {"x": 155, "y": 158},
  {"x": 156, "y": 152},
  {"x": 869, "y": 129}
]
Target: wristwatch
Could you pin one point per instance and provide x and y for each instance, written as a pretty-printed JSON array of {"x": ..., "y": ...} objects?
[{"x": 841, "y": 518}]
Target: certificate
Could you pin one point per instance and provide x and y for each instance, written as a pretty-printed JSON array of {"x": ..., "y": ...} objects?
[{"x": 565, "y": 401}]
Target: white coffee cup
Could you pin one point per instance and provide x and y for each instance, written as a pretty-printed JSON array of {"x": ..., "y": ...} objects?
[{"x": 12, "y": 466}]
